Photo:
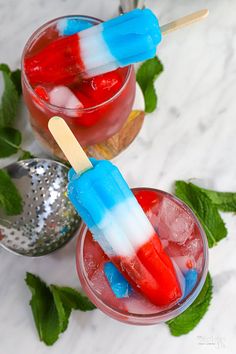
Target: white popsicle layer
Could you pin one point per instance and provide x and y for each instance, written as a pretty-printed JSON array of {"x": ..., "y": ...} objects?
[
  {"x": 125, "y": 228},
  {"x": 110, "y": 210}
]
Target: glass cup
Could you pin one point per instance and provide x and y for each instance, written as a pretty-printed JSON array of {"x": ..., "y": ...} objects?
[
  {"x": 90, "y": 260},
  {"x": 129, "y": 5},
  {"x": 109, "y": 116}
]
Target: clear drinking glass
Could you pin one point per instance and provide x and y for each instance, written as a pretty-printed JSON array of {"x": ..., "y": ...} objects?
[
  {"x": 128, "y": 5},
  {"x": 136, "y": 309},
  {"x": 109, "y": 116}
]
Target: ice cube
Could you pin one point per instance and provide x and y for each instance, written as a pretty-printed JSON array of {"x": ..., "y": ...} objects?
[
  {"x": 173, "y": 249},
  {"x": 138, "y": 304},
  {"x": 164, "y": 243},
  {"x": 193, "y": 247},
  {"x": 174, "y": 222},
  {"x": 62, "y": 96},
  {"x": 199, "y": 263},
  {"x": 93, "y": 255},
  {"x": 180, "y": 276}
]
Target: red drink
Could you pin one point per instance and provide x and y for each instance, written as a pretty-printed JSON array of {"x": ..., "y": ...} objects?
[
  {"x": 106, "y": 99},
  {"x": 184, "y": 241}
]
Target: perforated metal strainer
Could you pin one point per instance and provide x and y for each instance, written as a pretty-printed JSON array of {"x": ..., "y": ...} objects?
[{"x": 48, "y": 220}]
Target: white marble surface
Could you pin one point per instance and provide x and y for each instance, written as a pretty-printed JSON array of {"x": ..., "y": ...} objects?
[{"x": 192, "y": 134}]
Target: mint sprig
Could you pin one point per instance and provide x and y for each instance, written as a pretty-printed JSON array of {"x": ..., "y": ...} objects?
[
  {"x": 10, "y": 199},
  {"x": 146, "y": 76},
  {"x": 10, "y": 140},
  {"x": 45, "y": 312},
  {"x": 205, "y": 204},
  {"x": 73, "y": 299},
  {"x": 224, "y": 201},
  {"x": 10, "y": 143},
  {"x": 10, "y": 97},
  {"x": 190, "y": 318},
  {"x": 16, "y": 78},
  {"x": 206, "y": 212},
  {"x": 51, "y": 307}
]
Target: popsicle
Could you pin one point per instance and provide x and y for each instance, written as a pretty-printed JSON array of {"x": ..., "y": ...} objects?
[
  {"x": 124, "y": 40},
  {"x": 117, "y": 222}
]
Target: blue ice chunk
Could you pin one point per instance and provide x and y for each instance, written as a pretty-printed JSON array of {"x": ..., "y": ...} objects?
[
  {"x": 190, "y": 281},
  {"x": 69, "y": 26},
  {"x": 119, "y": 285}
]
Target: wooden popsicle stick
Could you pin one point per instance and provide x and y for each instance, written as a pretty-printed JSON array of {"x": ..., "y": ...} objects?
[
  {"x": 69, "y": 145},
  {"x": 184, "y": 21}
]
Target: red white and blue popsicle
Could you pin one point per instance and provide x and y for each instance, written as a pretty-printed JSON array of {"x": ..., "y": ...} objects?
[
  {"x": 115, "y": 43},
  {"x": 79, "y": 52},
  {"x": 117, "y": 222}
]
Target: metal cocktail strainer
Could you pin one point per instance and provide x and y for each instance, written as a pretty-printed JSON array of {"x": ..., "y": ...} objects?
[{"x": 48, "y": 220}]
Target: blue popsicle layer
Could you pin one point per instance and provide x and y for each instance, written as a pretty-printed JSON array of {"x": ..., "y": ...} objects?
[
  {"x": 190, "y": 281},
  {"x": 119, "y": 285},
  {"x": 132, "y": 37},
  {"x": 106, "y": 195}
]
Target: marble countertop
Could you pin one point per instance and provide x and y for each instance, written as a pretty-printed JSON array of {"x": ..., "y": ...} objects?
[{"x": 191, "y": 135}]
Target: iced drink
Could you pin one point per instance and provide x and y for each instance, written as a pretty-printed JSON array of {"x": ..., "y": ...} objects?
[
  {"x": 95, "y": 108},
  {"x": 184, "y": 241}
]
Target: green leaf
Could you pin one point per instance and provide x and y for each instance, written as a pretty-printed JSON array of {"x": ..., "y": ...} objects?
[
  {"x": 63, "y": 310},
  {"x": 146, "y": 76},
  {"x": 11, "y": 202},
  {"x": 204, "y": 209},
  {"x": 151, "y": 99},
  {"x": 10, "y": 140},
  {"x": 45, "y": 310},
  {"x": 16, "y": 78},
  {"x": 10, "y": 97},
  {"x": 190, "y": 318},
  {"x": 75, "y": 300},
  {"x": 5, "y": 68},
  {"x": 224, "y": 201},
  {"x": 51, "y": 307}
]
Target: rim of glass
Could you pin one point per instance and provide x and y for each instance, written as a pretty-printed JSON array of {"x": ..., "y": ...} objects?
[
  {"x": 33, "y": 38},
  {"x": 161, "y": 316}
]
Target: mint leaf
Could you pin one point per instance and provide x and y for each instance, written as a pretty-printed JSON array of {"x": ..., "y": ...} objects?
[
  {"x": 190, "y": 318},
  {"x": 150, "y": 98},
  {"x": 10, "y": 199},
  {"x": 51, "y": 307},
  {"x": 10, "y": 97},
  {"x": 224, "y": 201},
  {"x": 16, "y": 78},
  {"x": 74, "y": 300},
  {"x": 10, "y": 140},
  {"x": 146, "y": 76},
  {"x": 5, "y": 68},
  {"x": 63, "y": 310},
  {"x": 204, "y": 209},
  {"x": 46, "y": 314}
]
